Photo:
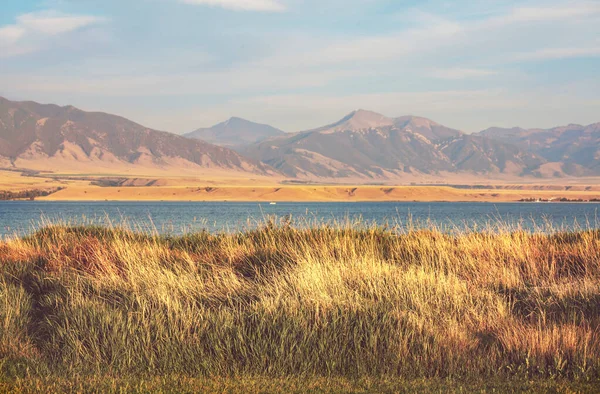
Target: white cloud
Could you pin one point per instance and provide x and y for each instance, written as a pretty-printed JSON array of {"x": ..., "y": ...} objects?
[
  {"x": 246, "y": 80},
  {"x": 52, "y": 23},
  {"x": 461, "y": 73},
  {"x": 305, "y": 77},
  {"x": 549, "y": 13},
  {"x": 31, "y": 31},
  {"x": 532, "y": 14},
  {"x": 436, "y": 35},
  {"x": 317, "y": 51},
  {"x": 242, "y": 5},
  {"x": 11, "y": 33},
  {"x": 560, "y": 53}
]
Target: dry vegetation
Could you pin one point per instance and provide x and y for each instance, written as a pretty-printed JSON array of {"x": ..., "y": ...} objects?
[
  {"x": 340, "y": 302},
  {"x": 201, "y": 191},
  {"x": 219, "y": 187}
]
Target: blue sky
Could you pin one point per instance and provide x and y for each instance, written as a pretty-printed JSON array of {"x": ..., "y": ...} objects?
[{"x": 177, "y": 65}]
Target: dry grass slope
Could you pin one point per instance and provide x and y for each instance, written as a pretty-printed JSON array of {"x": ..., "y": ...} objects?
[{"x": 329, "y": 301}]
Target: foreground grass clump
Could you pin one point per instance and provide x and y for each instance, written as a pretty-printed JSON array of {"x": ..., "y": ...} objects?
[{"x": 280, "y": 302}]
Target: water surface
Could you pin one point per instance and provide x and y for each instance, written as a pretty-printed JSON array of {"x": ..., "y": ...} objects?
[{"x": 180, "y": 217}]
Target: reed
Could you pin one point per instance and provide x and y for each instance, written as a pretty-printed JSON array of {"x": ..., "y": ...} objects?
[{"x": 344, "y": 301}]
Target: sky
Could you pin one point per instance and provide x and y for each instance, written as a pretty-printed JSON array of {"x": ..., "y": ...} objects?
[{"x": 178, "y": 65}]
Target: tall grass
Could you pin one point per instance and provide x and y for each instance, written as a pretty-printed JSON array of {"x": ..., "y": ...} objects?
[{"x": 345, "y": 300}]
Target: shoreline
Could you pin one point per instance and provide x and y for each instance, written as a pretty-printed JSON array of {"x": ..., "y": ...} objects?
[
  {"x": 128, "y": 187},
  {"x": 308, "y": 201},
  {"x": 313, "y": 193}
]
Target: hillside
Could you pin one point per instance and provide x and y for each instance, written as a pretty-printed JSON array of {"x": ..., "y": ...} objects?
[
  {"x": 235, "y": 132},
  {"x": 50, "y": 137},
  {"x": 570, "y": 150},
  {"x": 362, "y": 147},
  {"x": 367, "y": 145}
]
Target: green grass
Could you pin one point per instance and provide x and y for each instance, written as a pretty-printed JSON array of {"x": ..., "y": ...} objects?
[{"x": 329, "y": 308}]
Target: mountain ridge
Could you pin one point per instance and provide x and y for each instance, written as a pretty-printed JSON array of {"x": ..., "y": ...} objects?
[
  {"x": 369, "y": 145},
  {"x": 34, "y": 135},
  {"x": 572, "y": 150},
  {"x": 363, "y": 146},
  {"x": 234, "y": 132}
]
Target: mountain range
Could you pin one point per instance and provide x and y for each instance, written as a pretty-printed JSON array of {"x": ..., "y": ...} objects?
[
  {"x": 50, "y": 137},
  {"x": 569, "y": 150},
  {"x": 368, "y": 145},
  {"x": 363, "y": 146}
]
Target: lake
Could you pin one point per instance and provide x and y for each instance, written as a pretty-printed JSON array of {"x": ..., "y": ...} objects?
[{"x": 21, "y": 217}]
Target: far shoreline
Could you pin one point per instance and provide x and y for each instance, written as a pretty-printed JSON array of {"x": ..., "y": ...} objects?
[
  {"x": 308, "y": 201},
  {"x": 314, "y": 193}
]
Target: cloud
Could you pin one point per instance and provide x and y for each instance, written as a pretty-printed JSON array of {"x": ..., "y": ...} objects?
[
  {"x": 435, "y": 36},
  {"x": 242, "y": 5},
  {"x": 52, "y": 23},
  {"x": 31, "y": 31},
  {"x": 10, "y": 34},
  {"x": 164, "y": 83},
  {"x": 552, "y": 13},
  {"x": 461, "y": 73},
  {"x": 560, "y": 53},
  {"x": 532, "y": 14},
  {"x": 301, "y": 74},
  {"x": 317, "y": 51}
]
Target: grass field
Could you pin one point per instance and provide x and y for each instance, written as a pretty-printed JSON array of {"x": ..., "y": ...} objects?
[
  {"x": 330, "y": 309},
  {"x": 203, "y": 192},
  {"x": 139, "y": 187}
]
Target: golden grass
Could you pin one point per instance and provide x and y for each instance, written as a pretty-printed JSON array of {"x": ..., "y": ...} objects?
[
  {"x": 14, "y": 182},
  {"x": 343, "y": 301},
  {"x": 216, "y": 186},
  {"x": 203, "y": 191}
]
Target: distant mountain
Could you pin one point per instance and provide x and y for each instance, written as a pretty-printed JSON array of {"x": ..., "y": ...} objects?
[
  {"x": 235, "y": 132},
  {"x": 363, "y": 146},
  {"x": 51, "y": 137},
  {"x": 570, "y": 150},
  {"x": 368, "y": 145},
  {"x": 357, "y": 120}
]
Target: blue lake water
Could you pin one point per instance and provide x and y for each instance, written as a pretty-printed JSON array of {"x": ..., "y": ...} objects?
[{"x": 21, "y": 217}]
